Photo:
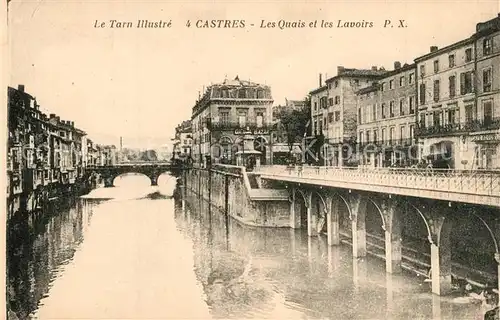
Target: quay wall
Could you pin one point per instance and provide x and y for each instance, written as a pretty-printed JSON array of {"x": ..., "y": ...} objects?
[{"x": 226, "y": 189}]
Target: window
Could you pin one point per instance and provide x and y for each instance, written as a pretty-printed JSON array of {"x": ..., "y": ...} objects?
[
  {"x": 487, "y": 80},
  {"x": 361, "y": 137},
  {"x": 466, "y": 82},
  {"x": 329, "y": 86},
  {"x": 437, "y": 118},
  {"x": 324, "y": 122},
  {"x": 375, "y": 134},
  {"x": 315, "y": 105},
  {"x": 383, "y": 86},
  {"x": 436, "y": 90},
  {"x": 488, "y": 112},
  {"x": 411, "y": 78},
  {"x": 391, "y": 84},
  {"x": 422, "y": 93},
  {"x": 451, "y": 60},
  {"x": 436, "y": 66},
  {"x": 374, "y": 112},
  {"x": 412, "y": 131},
  {"x": 367, "y": 135},
  {"x": 401, "y": 81},
  {"x": 336, "y": 83},
  {"x": 242, "y": 119},
  {"x": 422, "y": 70},
  {"x": 487, "y": 46},
  {"x": 422, "y": 120},
  {"x": 402, "y": 132},
  {"x": 260, "y": 119},
  {"x": 452, "y": 116},
  {"x": 360, "y": 116},
  {"x": 330, "y": 117},
  {"x": 383, "y": 138},
  {"x": 337, "y": 99},
  {"x": 401, "y": 107},
  {"x": 391, "y": 109},
  {"x": 330, "y": 101},
  {"x": 452, "y": 86},
  {"x": 224, "y": 117},
  {"x": 411, "y": 104},
  {"x": 383, "y": 110},
  {"x": 337, "y": 115},
  {"x": 469, "y": 113},
  {"x": 391, "y": 135},
  {"x": 468, "y": 55}
]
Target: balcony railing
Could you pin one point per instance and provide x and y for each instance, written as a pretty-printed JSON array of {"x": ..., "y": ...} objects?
[
  {"x": 234, "y": 125},
  {"x": 454, "y": 128}
]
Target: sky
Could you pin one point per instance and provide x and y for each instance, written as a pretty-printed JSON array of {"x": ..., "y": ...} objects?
[{"x": 140, "y": 83}]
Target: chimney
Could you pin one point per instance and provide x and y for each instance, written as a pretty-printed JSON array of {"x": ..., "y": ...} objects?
[
  {"x": 340, "y": 70},
  {"x": 20, "y": 87},
  {"x": 72, "y": 123},
  {"x": 58, "y": 118},
  {"x": 320, "y": 80},
  {"x": 374, "y": 68},
  {"x": 397, "y": 65},
  {"x": 52, "y": 115},
  {"x": 434, "y": 48}
]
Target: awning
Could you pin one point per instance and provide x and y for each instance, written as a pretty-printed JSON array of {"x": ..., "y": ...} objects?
[{"x": 248, "y": 152}]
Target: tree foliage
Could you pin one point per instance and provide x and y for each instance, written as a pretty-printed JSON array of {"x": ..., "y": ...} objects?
[{"x": 294, "y": 123}]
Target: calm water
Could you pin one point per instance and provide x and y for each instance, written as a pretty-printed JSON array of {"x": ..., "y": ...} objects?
[{"x": 134, "y": 257}]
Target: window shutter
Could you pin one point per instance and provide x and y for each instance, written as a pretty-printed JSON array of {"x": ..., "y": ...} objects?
[{"x": 462, "y": 83}]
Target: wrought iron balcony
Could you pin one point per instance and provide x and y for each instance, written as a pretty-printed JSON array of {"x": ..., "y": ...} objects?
[
  {"x": 235, "y": 125},
  {"x": 456, "y": 128}
]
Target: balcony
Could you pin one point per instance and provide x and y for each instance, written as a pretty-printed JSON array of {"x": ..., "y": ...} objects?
[{"x": 458, "y": 128}]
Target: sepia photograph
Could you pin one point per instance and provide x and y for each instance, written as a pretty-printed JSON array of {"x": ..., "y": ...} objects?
[{"x": 251, "y": 159}]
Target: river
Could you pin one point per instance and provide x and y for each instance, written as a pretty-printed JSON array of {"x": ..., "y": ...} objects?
[{"x": 128, "y": 253}]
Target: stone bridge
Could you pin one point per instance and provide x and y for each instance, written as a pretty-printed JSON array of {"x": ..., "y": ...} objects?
[
  {"x": 401, "y": 214},
  {"x": 152, "y": 170}
]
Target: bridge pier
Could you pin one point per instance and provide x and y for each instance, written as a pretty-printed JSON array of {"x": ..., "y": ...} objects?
[
  {"x": 358, "y": 223},
  {"x": 154, "y": 180},
  {"x": 108, "y": 182},
  {"x": 440, "y": 227},
  {"x": 393, "y": 246},
  {"x": 294, "y": 215},
  {"x": 333, "y": 221}
]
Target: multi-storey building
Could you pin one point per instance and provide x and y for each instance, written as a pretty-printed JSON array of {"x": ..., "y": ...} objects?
[
  {"x": 334, "y": 110},
  {"x": 386, "y": 119},
  {"x": 183, "y": 141},
  {"x": 41, "y": 149},
  {"x": 232, "y": 120},
  {"x": 485, "y": 134},
  {"x": 446, "y": 103}
]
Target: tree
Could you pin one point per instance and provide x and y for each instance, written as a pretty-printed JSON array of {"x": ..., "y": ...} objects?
[
  {"x": 294, "y": 123},
  {"x": 149, "y": 155}
]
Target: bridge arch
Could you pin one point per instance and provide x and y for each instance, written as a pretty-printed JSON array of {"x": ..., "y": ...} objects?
[{"x": 317, "y": 213}]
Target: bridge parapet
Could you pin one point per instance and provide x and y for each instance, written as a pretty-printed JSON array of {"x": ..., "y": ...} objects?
[{"x": 479, "y": 187}]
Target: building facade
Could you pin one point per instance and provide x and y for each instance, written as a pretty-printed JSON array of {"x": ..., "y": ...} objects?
[
  {"x": 446, "y": 99},
  {"x": 231, "y": 121},
  {"x": 485, "y": 137},
  {"x": 334, "y": 111},
  {"x": 183, "y": 141},
  {"x": 386, "y": 119}
]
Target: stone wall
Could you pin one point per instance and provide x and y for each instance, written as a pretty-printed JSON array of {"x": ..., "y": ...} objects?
[{"x": 237, "y": 200}]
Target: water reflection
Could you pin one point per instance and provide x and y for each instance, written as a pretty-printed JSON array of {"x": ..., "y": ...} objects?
[
  {"x": 39, "y": 247},
  {"x": 162, "y": 258},
  {"x": 251, "y": 272}
]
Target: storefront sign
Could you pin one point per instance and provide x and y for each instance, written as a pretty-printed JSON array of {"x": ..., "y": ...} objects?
[{"x": 248, "y": 131}]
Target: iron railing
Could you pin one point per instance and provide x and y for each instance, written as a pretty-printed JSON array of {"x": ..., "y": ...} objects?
[
  {"x": 454, "y": 128},
  {"x": 474, "y": 182}
]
